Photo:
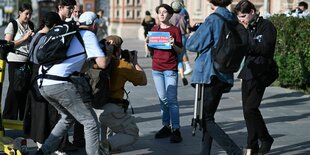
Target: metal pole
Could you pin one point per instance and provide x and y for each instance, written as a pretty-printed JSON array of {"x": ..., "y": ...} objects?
[{"x": 266, "y": 7}]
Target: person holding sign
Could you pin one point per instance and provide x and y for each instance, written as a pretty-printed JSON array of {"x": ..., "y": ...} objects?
[{"x": 165, "y": 71}]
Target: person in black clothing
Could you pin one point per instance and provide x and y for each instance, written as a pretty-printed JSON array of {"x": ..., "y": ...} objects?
[
  {"x": 148, "y": 22},
  {"x": 262, "y": 40}
]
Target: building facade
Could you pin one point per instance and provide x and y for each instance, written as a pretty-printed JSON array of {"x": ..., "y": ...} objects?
[{"x": 126, "y": 15}]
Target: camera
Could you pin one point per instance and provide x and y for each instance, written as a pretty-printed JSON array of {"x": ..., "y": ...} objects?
[
  {"x": 128, "y": 55},
  {"x": 5, "y": 48},
  {"x": 107, "y": 47}
]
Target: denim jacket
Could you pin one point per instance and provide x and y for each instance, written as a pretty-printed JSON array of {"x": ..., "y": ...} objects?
[{"x": 207, "y": 36}]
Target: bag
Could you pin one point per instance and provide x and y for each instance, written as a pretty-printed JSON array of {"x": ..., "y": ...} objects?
[
  {"x": 54, "y": 48},
  {"x": 231, "y": 48},
  {"x": 100, "y": 82},
  {"x": 272, "y": 73},
  {"x": 81, "y": 83},
  {"x": 22, "y": 76}
]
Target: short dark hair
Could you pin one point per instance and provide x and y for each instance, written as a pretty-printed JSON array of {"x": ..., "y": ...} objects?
[
  {"x": 25, "y": 6},
  {"x": 244, "y": 6},
  {"x": 304, "y": 4},
  {"x": 166, "y": 6},
  {"x": 65, "y": 3},
  {"x": 222, "y": 3}
]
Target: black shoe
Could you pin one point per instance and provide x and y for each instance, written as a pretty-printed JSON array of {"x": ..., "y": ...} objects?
[
  {"x": 163, "y": 132},
  {"x": 185, "y": 82},
  {"x": 176, "y": 136},
  {"x": 265, "y": 146},
  {"x": 39, "y": 152}
]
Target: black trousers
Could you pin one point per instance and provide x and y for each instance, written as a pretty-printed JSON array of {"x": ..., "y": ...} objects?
[
  {"x": 211, "y": 99},
  {"x": 15, "y": 100},
  {"x": 252, "y": 94}
]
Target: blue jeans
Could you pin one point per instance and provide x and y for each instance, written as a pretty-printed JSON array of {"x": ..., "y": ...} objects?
[
  {"x": 65, "y": 98},
  {"x": 166, "y": 83}
]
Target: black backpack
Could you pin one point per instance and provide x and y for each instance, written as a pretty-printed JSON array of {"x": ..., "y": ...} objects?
[
  {"x": 231, "y": 48},
  {"x": 54, "y": 48},
  {"x": 100, "y": 79}
]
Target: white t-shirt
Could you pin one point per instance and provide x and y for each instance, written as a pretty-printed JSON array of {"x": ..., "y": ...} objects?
[
  {"x": 73, "y": 64},
  {"x": 12, "y": 57}
]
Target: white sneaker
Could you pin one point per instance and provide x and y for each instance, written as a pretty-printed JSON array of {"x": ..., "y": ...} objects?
[
  {"x": 188, "y": 70},
  {"x": 59, "y": 153}
]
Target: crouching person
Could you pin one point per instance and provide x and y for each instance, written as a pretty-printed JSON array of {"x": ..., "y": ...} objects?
[
  {"x": 64, "y": 96},
  {"x": 121, "y": 123}
]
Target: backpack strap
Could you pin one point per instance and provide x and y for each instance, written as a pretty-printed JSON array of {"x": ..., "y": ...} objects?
[
  {"x": 15, "y": 27},
  {"x": 31, "y": 51}
]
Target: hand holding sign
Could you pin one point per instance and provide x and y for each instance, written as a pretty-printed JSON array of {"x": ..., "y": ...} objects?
[{"x": 159, "y": 40}]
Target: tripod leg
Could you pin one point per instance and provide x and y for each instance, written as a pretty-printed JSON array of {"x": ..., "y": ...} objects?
[
  {"x": 196, "y": 118},
  {"x": 200, "y": 119}
]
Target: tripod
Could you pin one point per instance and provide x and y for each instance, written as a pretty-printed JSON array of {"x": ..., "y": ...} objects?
[{"x": 198, "y": 108}]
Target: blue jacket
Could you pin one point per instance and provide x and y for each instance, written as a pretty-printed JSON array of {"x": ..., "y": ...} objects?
[{"x": 206, "y": 36}]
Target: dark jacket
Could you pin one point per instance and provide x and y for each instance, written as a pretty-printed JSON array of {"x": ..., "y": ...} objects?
[{"x": 259, "y": 60}]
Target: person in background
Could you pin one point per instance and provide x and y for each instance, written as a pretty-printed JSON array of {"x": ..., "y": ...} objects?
[
  {"x": 103, "y": 25},
  {"x": 262, "y": 39},
  {"x": 63, "y": 95},
  {"x": 75, "y": 14},
  {"x": 183, "y": 12},
  {"x": 181, "y": 22},
  {"x": 14, "y": 107},
  {"x": 115, "y": 115},
  {"x": 147, "y": 22},
  {"x": 213, "y": 82},
  {"x": 165, "y": 75},
  {"x": 301, "y": 10}
]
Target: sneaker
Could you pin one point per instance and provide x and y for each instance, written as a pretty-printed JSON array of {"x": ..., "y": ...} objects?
[
  {"x": 176, "y": 136},
  {"x": 104, "y": 148},
  {"x": 266, "y": 146},
  {"x": 188, "y": 70},
  {"x": 185, "y": 82},
  {"x": 59, "y": 153},
  {"x": 39, "y": 152},
  {"x": 163, "y": 132}
]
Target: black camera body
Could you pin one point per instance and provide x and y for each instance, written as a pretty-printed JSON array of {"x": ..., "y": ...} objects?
[
  {"x": 128, "y": 55},
  {"x": 5, "y": 48}
]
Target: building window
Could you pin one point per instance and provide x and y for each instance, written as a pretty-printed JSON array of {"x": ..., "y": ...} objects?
[
  {"x": 138, "y": 14},
  {"x": 129, "y": 14},
  {"x": 138, "y": 2},
  {"x": 117, "y": 2},
  {"x": 117, "y": 14},
  {"x": 129, "y": 2}
]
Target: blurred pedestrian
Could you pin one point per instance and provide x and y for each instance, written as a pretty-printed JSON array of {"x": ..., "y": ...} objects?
[
  {"x": 147, "y": 22},
  {"x": 102, "y": 25},
  {"x": 20, "y": 32}
]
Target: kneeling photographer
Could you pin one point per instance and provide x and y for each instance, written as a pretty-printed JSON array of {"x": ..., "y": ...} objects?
[{"x": 121, "y": 123}]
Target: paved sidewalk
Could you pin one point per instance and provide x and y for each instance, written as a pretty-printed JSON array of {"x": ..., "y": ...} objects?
[{"x": 286, "y": 113}]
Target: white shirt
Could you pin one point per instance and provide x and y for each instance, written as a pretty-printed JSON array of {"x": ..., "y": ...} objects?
[
  {"x": 73, "y": 64},
  {"x": 12, "y": 57}
]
